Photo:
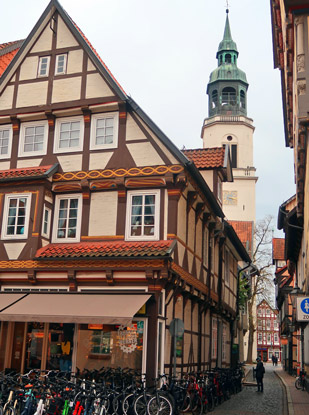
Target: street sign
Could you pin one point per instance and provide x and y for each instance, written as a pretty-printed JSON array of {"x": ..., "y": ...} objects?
[
  {"x": 177, "y": 327},
  {"x": 302, "y": 309}
]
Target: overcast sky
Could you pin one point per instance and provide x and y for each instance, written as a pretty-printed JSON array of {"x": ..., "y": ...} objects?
[{"x": 162, "y": 53}]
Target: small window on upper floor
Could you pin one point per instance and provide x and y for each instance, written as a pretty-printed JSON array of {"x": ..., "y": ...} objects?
[
  {"x": 33, "y": 138},
  {"x": 16, "y": 216},
  {"x": 61, "y": 64},
  {"x": 5, "y": 141},
  {"x": 234, "y": 155},
  {"x": 104, "y": 131},
  {"x": 205, "y": 246},
  {"x": 46, "y": 222},
  {"x": 143, "y": 215},
  {"x": 69, "y": 135},
  {"x": 67, "y": 218},
  {"x": 227, "y": 267},
  {"x": 43, "y": 66}
]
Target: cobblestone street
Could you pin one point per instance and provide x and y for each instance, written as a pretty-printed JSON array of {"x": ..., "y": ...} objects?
[{"x": 251, "y": 402}]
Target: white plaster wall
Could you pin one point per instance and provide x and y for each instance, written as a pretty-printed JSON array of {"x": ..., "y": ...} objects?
[
  {"x": 133, "y": 132},
  {"x": 144, "y": 154},
  {"x": 97, "y": 87},
  {"x": 32, "y": 94},
  {"x": 181, "y": 222},
  {"x": 5, "y": 165},
  {"x": 13, "y": 250},
  {"x": 99, "y": 160},
  {"x": 6, "y": 98},
  {"x": 190, "y": 260},
  {"x": 71, "y": 162},
  {"x": 44, "y": 42},
  {"x": 245, "y": 208},
  {"x": 103, "y": 213},
  {"x": 199, "y": 238},
  {"x": 28, "y": 163},
  {"x": 191, "y": 228},
  {"x": 181, "y": 252},
  {"x": 66, "y": 89},
  {"x": 64, "y": 36},
  {"x": 29, "y": 68},
  {"x": 75, "y": 61},
  {"x": 208, "y": 176},
  {"x": 90, "y": 66}
]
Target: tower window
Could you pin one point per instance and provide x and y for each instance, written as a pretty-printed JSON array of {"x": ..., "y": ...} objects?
[
  {"x": 228, "y": 96},
  {"x": 242, "y": 99},
  {"x": 214, "y": 98},
  {"x": 228, "y": 58},
  {"x": 234, "y": 155}
]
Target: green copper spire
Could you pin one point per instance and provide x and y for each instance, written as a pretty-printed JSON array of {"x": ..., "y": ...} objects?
[{"x": 227, "y": 87}]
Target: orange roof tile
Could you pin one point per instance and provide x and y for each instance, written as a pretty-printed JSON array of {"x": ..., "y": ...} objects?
[
  {"x": 105, "y": 249},
  {"x": 24, "y": 172},
  {"x": 7, "y": 52},
  {"x": 244, "y": 230},
  {"x": 206, "y": 158},
  {"x": 278, "y": 249}
]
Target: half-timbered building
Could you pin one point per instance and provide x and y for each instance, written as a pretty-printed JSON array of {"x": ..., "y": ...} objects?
[{"x": 108, "y": 231}]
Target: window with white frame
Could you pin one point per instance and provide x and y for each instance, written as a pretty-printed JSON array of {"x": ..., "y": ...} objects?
[
  {"x": 205, "y": 246},
  {"x": 227, "y": 267},
  {"x": 104, "y": 131},
  {"x": 61, "y": 64},
  {"x": 214, "y": 338},
  {"x": 69, "y": 135},
  {"x": 276, "y": 339},
  {"x": 16, "y": 216},
  {"x": 33, "y": 138},
  {"x": 46, "y": 222},
  {"x": 260, "y": 338},
  {"x": 268, "y": 338},
  {"x": 67, "y": 219},
  {"x": 224, "y": 342},
  {"x": 5, "y": 141},
  {"x": 143, "y": 215},
  {"x": 268, "y": 312},
  {"x": 268, "y": 324},
  {"x": 43, "y": 66},
  {"x": 260, "y": 324}
]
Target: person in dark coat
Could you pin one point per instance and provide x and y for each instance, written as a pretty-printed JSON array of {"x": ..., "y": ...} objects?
[
  {"x": 273, "y": 358},
  {"x": 259, "y": 371}
]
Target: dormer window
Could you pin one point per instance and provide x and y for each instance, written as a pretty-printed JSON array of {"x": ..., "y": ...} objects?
[
  {"x": 43, "y": 66},
  {"x": 61, "y": 64}
]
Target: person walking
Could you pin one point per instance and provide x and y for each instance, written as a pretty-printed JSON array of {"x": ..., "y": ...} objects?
[
  {"x": 260, "y": 370},
  {"x": 273, "y": 358}
]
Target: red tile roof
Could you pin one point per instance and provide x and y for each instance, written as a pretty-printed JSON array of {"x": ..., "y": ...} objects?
[
  {"x": 244, "y": 230},
  {"x": 206, "y": 158},
  {"x": 106, "y": 249},
  {"x": 278, "y": 249},
  {"x": 24, "y": 172},
  {"x": 7, "y": 52}
]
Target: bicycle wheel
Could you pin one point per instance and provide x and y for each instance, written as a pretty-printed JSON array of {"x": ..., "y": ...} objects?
[
  {"x": 140, "y": 404},
  {"x": 159, "y": 405},
  {"x": 196, "y": 404},
  {"x": 185, "y": 404},
  {"x": 298, "y": 384},
  {"x": 127, "y": 404}
]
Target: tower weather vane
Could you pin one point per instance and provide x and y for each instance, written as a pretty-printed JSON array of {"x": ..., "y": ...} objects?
[{"x": 227, "y": 6}]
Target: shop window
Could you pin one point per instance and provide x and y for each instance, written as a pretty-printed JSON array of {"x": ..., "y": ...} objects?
[
  {"x": 43, "y": 66},
  {"x": 60, "y": 347},
  {"x": 16, "y": 216},
  {"x": 143, "y": 215},
  {"x": 104, "y": 131},
  {"x": 33, "y": 138},
  {"x": 69, "y": 135},
  {"x": 110, "y": 345},
  {"x": 34, "y": 346},
  {"x": 67, "y": 219},
  {"x": 5, "y": 141},
  {"x": 61, "y": 64}
]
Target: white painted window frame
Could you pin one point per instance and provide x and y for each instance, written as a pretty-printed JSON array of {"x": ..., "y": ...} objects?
[
  {"x": 78, "y": 148},
  {"x": 94, "y": 119},
  {"x": 156, "y": 235},
  {"x": 7, "y": 127},
  {"x": 40, "y": 66},
  {"x": 227, "y": 266},
  {"x": 8, "y": 197},
  {"x": 47, "y": 234},
  {"x": 64, "y": 66},
  {"x": 21, "y": 151},
  {"x": 214, "y": 338},
  {"x": 56, "y": 217}
]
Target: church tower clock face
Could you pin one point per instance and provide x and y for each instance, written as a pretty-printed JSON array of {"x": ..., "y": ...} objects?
[{"x": 230, "y": 197}]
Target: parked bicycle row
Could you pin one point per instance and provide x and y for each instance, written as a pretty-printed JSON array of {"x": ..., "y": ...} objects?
[{"x": 115, "y": 392}]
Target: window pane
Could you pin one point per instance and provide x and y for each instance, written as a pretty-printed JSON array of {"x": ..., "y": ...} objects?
[
  {"x": 149, "y": 210},
  {"x": 63, "y": 203},
  {"x": 149, "y": 230},
  {"x": 74, "y": 203},
  {"x": 136, "y": 210},
  {"x": 136, "y": 231},
  {"x": 74, "y": 143},
  {"x": 136, "y": 220},
  {"x": 137, "y": 200},
  {"x": 109, "y": 122},
  {"x": 149, "y": 220},
  {"x": 149, "y": 199}
]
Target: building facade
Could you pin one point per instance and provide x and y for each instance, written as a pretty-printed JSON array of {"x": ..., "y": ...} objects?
[
  {"x": 268, "y": 334},
  {"x": 290, "y": 45},
  {"x": 108, "y": 231}
]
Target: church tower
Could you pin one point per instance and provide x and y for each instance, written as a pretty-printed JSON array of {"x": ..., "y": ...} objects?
[{"x": 228, "y": 124}]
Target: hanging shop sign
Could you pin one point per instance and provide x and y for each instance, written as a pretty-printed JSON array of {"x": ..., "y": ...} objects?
[
  {"x": 302, "y": 309},
  {"x": 127, "y": 337}
]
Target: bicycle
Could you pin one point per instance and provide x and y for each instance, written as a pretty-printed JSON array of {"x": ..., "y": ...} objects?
[{"x": 301, "y": 382}]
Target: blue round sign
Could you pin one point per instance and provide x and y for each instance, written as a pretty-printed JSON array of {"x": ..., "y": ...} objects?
[{"x": 304, "y": 305}]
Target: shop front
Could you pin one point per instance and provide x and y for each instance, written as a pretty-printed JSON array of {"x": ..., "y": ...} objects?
[{"x": 73, "y": 332}]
